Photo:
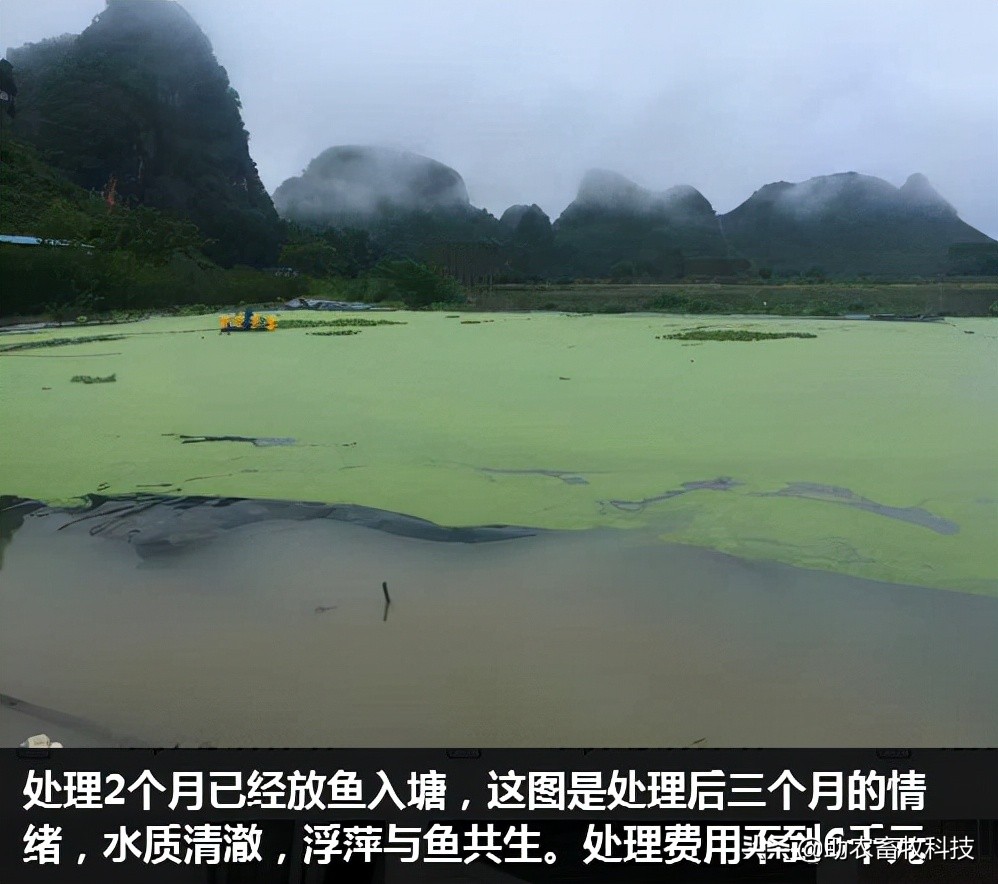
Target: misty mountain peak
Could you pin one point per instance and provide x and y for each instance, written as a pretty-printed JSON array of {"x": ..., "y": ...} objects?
[
  {"x": 526, "y": 225},
  {"x": 140, "y": 98},
  {"x": 603, "y": 189},
  {"x": 850, "y": 194},
  {"x": 920, "y": 195},
  {"x": 361, "y": 182},
  {"x": 159, "y": 22},
  {"x": 611, "y": 190},
  {"x": 848, "y": 223},
  {"x": 514, "y": 215},
  {"x": 837, "y": 191}
]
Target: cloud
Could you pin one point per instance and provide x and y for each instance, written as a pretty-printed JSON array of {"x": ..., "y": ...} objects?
[{"x": 521, "y": 98}]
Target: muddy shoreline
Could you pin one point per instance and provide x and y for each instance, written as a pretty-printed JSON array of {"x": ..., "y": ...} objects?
[{"x": 228, "y": 622}]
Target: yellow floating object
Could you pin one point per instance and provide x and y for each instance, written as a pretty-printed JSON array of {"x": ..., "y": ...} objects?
[{"x": 257, "y": 322}]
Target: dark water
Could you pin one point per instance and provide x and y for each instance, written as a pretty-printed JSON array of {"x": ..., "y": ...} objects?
[{"x": 274, "y": 632}]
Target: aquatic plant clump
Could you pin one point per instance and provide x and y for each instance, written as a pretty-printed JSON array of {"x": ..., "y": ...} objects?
[
  {"x": 731, "y": 335},
  {"x": 90, "y": 379},
  {"x": 338, "y": 331},
  {"x": 337, "y": 323},
  {"x": 57, "y": 342}
]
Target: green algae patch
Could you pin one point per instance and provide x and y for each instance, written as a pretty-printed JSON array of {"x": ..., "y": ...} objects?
[
  {"x": 846, "y": 452},
  {"x": 337, "y": 323},
  {"x": 91, "y": 379},
  {"x": 46, "y": 342},
  {"x": 730, "y": 334}
]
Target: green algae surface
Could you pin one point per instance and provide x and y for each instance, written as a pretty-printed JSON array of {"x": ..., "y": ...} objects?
[{"x": 869, "y": 449}]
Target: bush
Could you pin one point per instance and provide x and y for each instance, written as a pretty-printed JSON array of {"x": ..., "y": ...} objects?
[
  {"x": 622, "y": 270},
  {"x": 821, "y": 308},
  {"x": 66, "y": 283},
  {"x": 417, "y": 285},
  {"x": 697, "y": 305},
  {"x": 668, "y": 302}
]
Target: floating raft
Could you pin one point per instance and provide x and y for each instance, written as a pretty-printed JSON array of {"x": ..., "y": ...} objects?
[{"x": 247, "y": 321}]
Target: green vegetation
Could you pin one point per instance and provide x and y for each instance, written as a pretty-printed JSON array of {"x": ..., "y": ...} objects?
[
  {"x": 108, "y": 258},
  {"x": 974, "y": 258},
  {"x": 138, "y": 108},
  {"x": 39, "y": 200},
  {"x": 339, "y": 331},
  {"x": 952, "y": 298},
  {"x": 113, "y": 259},
  {"x": 417, "y": 285},
  {"x": 727, "y": 334},
  {"x": 329, "y": 252},
  {"x": 62, "y": 282}
]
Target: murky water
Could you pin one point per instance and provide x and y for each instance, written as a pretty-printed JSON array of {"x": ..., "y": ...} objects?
[{"x": 276, "y": 633}]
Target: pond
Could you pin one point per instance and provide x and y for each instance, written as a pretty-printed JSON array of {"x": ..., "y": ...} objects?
[{"x": 737, "y": 541}]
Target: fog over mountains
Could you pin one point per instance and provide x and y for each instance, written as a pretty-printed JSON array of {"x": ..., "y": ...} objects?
[
  {"x": 352, "y": 184},
  {"x": 139, "y": 99},
  {"x": 841, "y": 224},
  {"x": 523, "y": 97}
]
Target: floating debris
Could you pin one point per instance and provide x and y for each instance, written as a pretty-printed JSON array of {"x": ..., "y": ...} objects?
[{"x": 259, "y": 441}]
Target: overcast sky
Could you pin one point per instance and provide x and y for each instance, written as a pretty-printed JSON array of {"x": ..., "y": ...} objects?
[{"x": 522, "y": 96}]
